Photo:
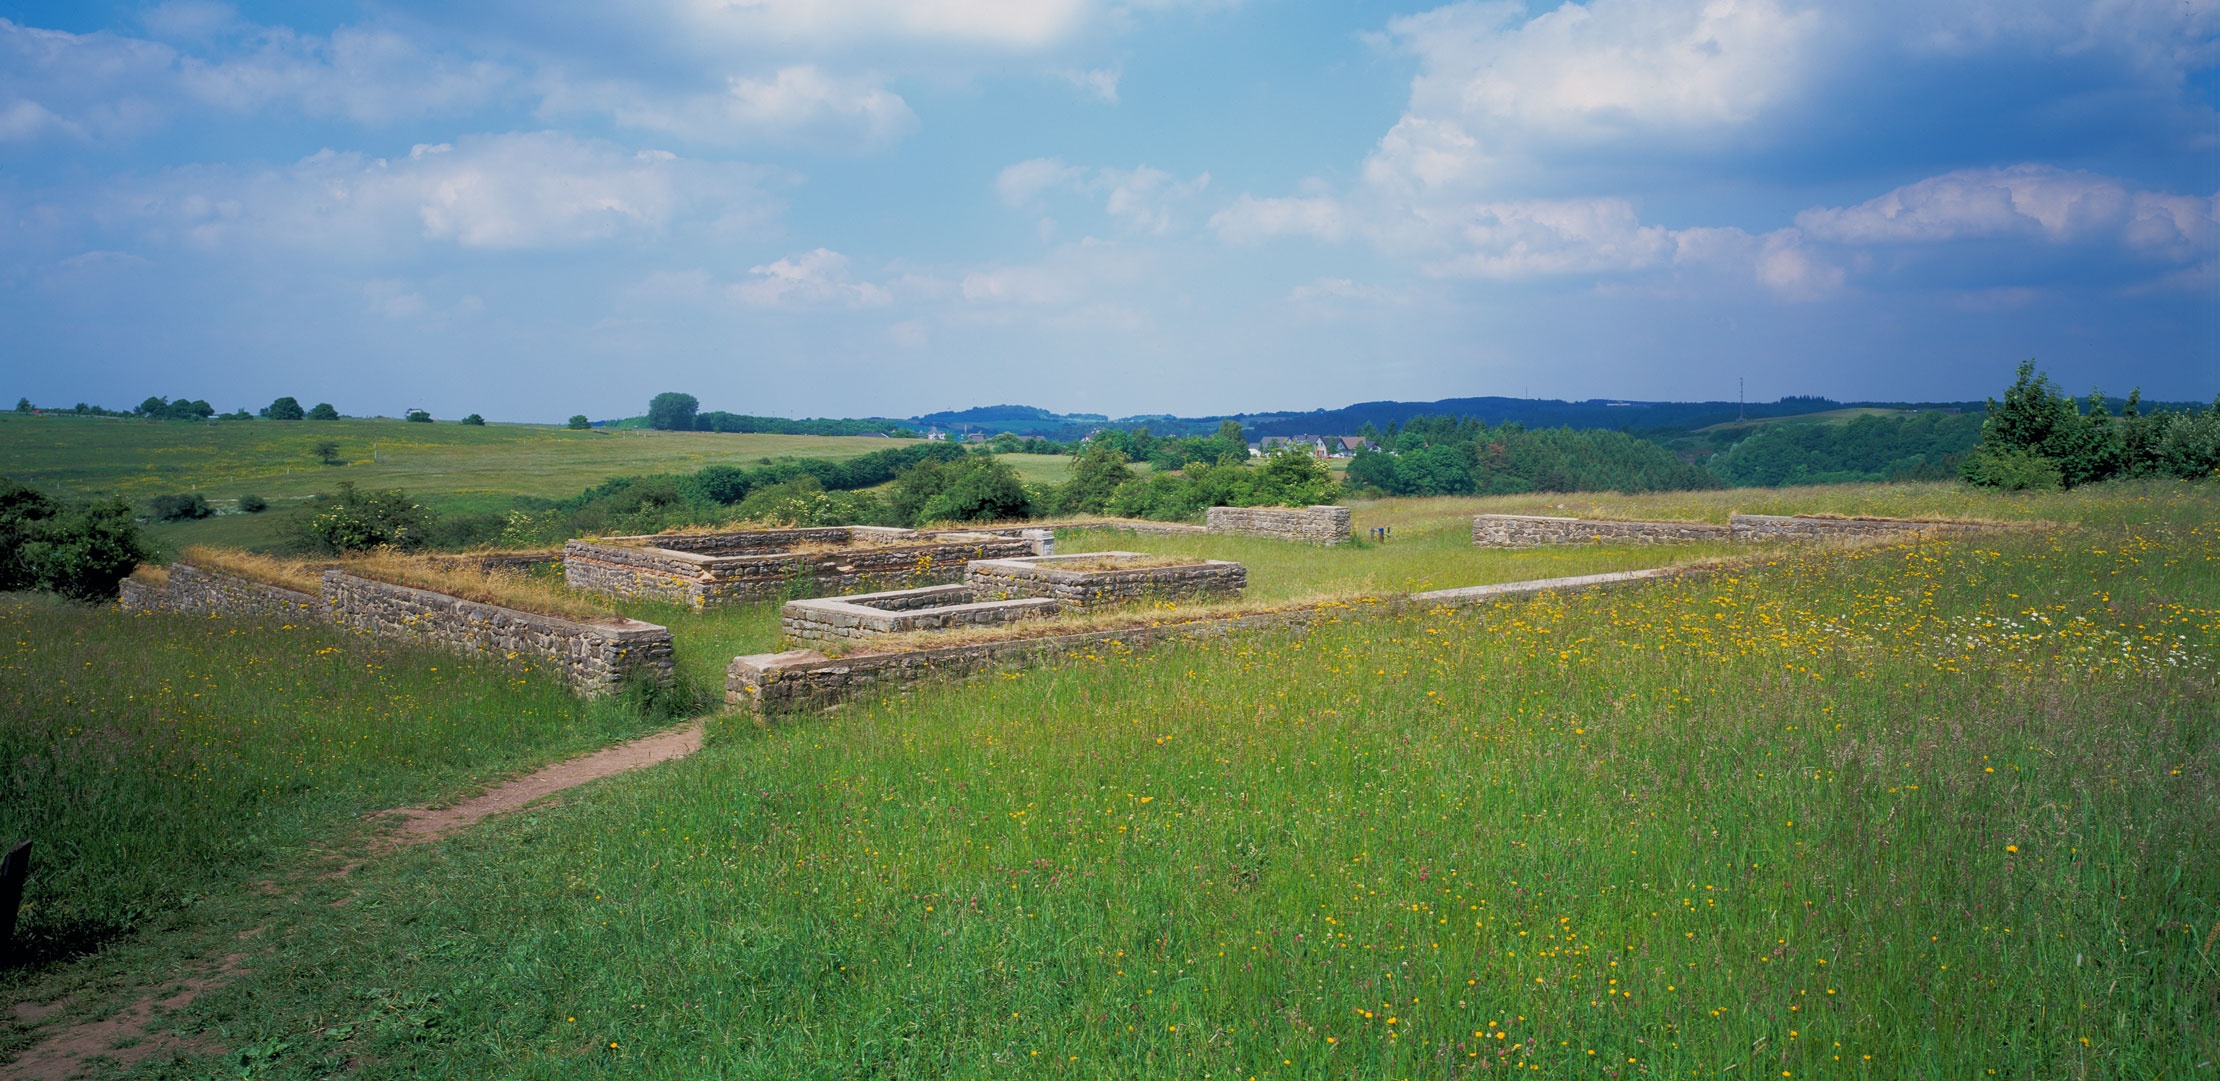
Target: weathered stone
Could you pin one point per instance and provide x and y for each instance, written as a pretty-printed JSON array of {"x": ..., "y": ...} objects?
[
  {"x": 1055, "y": 578},
  {"x": 1310, "y": 525},
  {"x": 1527, "y": 530},
  {"x": 713, "y": 568}
]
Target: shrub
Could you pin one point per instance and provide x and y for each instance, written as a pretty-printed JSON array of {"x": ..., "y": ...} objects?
[
  {"x": 253, "y": 504},
  {"x": 475, "y": 419},
  {"x": 327, "y": 452},
  {"x": 286, "y": 408},
  {"x": 417, "y": 416},
  {"x": 323, "y": 411},
  {"x": 80, "y": 551},
  {"x": 971, "y": 489},
  {"x": 179, "y": 508},
  {"x": 355, "y": 521},
  {"x": 2015, "y": 470},
  {"x": 1095, "y": 477},
  {"x": 579, "y": 423}
]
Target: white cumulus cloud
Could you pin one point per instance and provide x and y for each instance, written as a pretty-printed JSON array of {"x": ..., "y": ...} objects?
[{"x": 810, "y": 279}]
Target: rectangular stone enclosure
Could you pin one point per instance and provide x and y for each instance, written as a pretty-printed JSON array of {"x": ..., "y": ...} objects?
[
  {"x": 1530, "y": 530},
  {"x": 1096, "y": 579},
  {"x": 931, "y": 608},
  {"x": 702, "y": 569},
  {"x": 1311, "y": 525}
]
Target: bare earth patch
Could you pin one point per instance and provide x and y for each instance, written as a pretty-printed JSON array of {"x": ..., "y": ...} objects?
[{"x": 70, "y": 1051}]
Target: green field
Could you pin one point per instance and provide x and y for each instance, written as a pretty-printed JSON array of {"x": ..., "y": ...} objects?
[
  {"x": 1929, "y": 810},
  {"x": 449, "y": 467}
]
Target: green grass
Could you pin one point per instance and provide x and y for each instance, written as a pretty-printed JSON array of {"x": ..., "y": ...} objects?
[
  {"x": 448, "y": 467},
  {"x": 1922, "y": 811},
  {"x": 157, "y": 759}
]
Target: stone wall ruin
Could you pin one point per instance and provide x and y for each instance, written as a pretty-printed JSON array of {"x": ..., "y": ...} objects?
[{"x": 1310, "y": 525}]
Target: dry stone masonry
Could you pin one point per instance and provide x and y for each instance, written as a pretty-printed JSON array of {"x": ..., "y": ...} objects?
[
  {"x": 194, "y": 591},
  {"x": 1081, "y": 581},
  {"x": 932, "y": 608},
  {"x": 1526, "y": 530},
  {"x": 1310, "y": 525},
  {"x": 594, "y": 658},
  {"x": 702, "y": 569}
]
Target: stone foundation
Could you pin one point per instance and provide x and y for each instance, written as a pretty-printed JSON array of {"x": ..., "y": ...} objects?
[
  {"x": 193, "y": 591},
  {"x": 594, "y": 658},
  {"x": 1757, "y": 527},
  {"x": 1529, "y": 530},
  {"x": 870, "y": 615},
  {"x": 1054, "y": 578},
  {"x": 702, "y": 569},
  {"x": 1311, "y": 525}
]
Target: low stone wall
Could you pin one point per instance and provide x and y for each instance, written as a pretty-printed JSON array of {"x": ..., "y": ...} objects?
[
  {"x": 594, "y": 658},
  {"x": 1530, "y": 530},
  {"x": 1142, "y": 527},
  {"x": 699, "y": 579},
  {"x": 1310, "y": 525},
  {"x": 194, "y": 591},
  {"x": 870, "y": 615},
  {"x": 768, "y": 684},
  {"x": 774, "y": 683},
  {"x": 1758, "y": 527},
  {"x": 1053, "y": 578}
]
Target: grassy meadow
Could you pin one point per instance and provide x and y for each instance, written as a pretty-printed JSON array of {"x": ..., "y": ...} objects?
[
  {"x": 1934, "y": 810},
  {"x": 157, "y": 760}
]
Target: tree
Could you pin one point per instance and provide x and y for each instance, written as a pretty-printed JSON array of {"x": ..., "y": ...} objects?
[
  {"x": 978, "y": 490},
  {"x": 80, "y": 550},
  {"x": 1095, "y": 477},
  {"x": 475, "y": 420},
  {"x": 286, "y": 408},
  {"x": 23, "y": 405},
  {"x": 417, "y": 416},
  {"x": 579, "y": 423},
  {"x": 327, "y": 452},
  {"x": 2036, "y": 421},
  {"x": 323, "y": 411},
  {"x": 356, "y": 521},
  {"x": 253, "y": 504},
  {"x": 673, "y": 412}
]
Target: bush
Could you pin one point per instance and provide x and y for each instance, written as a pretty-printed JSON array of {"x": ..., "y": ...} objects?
[
  {"x": 973, "y": 489},
  {"x": 286, "y": 408},
  {"x": 418, "y": 416},
  {"x": 179, "y": 508},
  {"x": 355, "y": 521},
  {"x": 80, "y": 551},
  {"x": 253, "y": 504},
  {"x": 323, "y": 411},
  {"x": 475, "y": 420},
  {"x": 804, "y": 502},
  {"x": 2016, "y": 470},
  {"x": 327, "y": 452},
  {"x": 1095, "y": 477},
  {"x": 579, "y": 423}
]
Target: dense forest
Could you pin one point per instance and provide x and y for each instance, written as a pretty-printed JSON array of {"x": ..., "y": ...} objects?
[
  {"x": 1440, "y": 455},
  {"x": 1923, "y": 446}
]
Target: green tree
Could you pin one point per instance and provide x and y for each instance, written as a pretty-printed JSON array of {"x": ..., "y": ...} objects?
[
  {"x": 579, "y": 423},
  {"x": 323, "y": 411},
  {"x": 673, "y": 412},
  {"x": 417, "y": 416},
  {"x": 179, "y": 508},
  {"x": 286, "y": 408},
  {"x": 23, "y": 405},
  {"x": 356, "y": 521},
  {"x": 475, "y": 420},
  {"x": 327, "y": 452},
  {"x": 1095, "y": 477},
  {"x": 979, "y": 489},
  {"x": 79, "y": 550},
  {"x": 253, "y": 504}
]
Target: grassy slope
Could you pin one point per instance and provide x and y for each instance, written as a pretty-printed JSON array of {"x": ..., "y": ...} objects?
[
  {"x": 1931, "y": 810},
  {"x": 155, "y": 758},
  {"x": 446, "y": 466},
  {"x": 1830, "y": 416}
]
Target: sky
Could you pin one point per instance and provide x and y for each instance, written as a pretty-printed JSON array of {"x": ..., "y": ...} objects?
[{"x": 533, "y": 208}]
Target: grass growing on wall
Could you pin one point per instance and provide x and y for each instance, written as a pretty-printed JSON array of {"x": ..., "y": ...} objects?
[
  {"x": 154, "y": 758},
  {"x": 1933, "y": 810}
]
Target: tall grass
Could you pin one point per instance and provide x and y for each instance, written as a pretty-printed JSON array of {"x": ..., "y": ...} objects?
[
  {"x": 157, "y": 758},
  {"x": 1941, "y": 810}
]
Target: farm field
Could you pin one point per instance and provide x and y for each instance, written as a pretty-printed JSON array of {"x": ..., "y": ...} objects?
[
  {"x": 446, "y": 466},
  {"x": 1919, "y": 810}
]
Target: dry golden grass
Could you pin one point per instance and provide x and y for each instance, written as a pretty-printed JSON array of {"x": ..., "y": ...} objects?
[
  {"x": 1121, "y": 563},
  {"x": 508, "y": 589},
  {"x": 151, "y": 574},
  {"x": 295, "y": 574}
]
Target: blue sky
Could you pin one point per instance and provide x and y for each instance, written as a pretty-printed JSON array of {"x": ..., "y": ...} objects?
[{"x": 851, "y": 207}]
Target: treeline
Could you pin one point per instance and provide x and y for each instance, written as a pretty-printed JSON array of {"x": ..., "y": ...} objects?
[
  {"x": 183, "y": 408},
  {"x": 2039, "y": 438},
  {"x": 1440, "y": 455},
  {"x": 1923, "y": 446},
  {"x": 675, "y": 412}
]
